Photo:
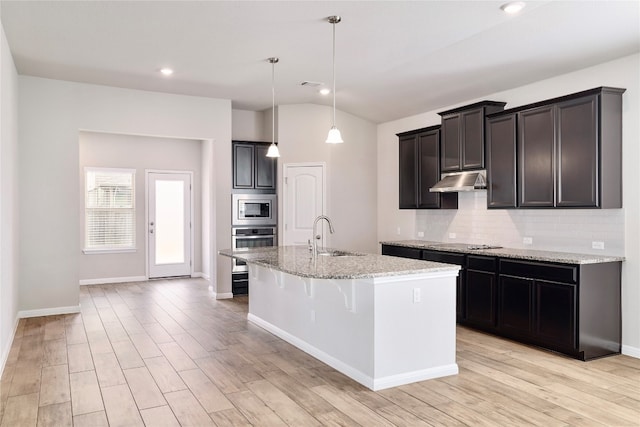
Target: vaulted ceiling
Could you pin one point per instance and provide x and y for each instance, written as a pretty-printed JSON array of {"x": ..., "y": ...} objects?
[{"x": 394, "y": 58}]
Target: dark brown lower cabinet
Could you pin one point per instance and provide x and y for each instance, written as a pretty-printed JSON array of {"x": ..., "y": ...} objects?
[
  {"x": 516, "y": 306},
  {"x": 556, "y": 314},
  {"x": 481, "y": 292},
  {"x": 240, "y": 283},
  {"x": 574, "y": 309},
  {"x": 402, "y": 251}
]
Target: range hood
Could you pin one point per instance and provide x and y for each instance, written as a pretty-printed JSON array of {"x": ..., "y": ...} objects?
[{"x": 461, "y": 181}]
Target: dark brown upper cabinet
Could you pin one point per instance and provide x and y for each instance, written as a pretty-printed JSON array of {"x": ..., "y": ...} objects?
[
  {"x": 252, "y": 169},
  {"x": 463, "y": 136},
  {"x": 568, "y": 153},
  {"x": 536, "y": 157},
  {"x": 571, "y": 151},
  {"x": 419, "y": 170},
  {"x": 501, "y": 162}
]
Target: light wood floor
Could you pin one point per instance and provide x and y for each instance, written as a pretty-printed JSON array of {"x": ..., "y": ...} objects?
[{"x": 166, "y": 353}]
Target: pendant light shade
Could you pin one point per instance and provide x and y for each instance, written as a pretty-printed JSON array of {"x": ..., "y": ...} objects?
[
  {"x": 273, "y": 148},
  {"x": 273, "y": 151},
  {"x": 334, "y": 136}
]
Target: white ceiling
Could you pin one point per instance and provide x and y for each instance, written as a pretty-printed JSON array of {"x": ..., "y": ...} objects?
[{"x": 394, "y": 58}]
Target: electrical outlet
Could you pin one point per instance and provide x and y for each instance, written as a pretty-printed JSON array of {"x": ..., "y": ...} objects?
[
  {"x": 527, "y": 240},
  {"x": 452, "y": 235},
  {"x": 597, "y": 245},
  {"x": 416, "y": 295},
  {"x": 420, "y": 233},
  {"x": 313, "y": 316},
  {"x": 398, "y": 231}
]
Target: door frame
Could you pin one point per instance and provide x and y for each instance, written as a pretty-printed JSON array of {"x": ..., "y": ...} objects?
[
  {"x": 146, "y": 216},
  {"x": 285, "y": 166}
]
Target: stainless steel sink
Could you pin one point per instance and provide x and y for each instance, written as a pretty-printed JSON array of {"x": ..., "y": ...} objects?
[{"x": 335, "y": 253}]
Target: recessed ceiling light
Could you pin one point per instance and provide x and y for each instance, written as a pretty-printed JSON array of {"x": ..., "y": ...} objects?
[
  {"x": 513, "y": 7},
  {"x": 166, "y": 71},
  {"x": 325, "y": 91}
]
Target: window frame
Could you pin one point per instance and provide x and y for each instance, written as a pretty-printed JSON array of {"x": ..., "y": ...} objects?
[{"x": 109, "y": 250}]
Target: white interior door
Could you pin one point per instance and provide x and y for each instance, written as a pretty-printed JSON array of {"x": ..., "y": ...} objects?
[
  {"x": 304, "y": 200},
  {"x": 169, "y": 224}
]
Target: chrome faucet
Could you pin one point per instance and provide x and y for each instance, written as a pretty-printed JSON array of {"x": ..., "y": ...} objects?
[{"x": 316, "y": 237}]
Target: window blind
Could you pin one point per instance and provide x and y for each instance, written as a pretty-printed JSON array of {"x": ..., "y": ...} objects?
[{"x": 109, "y": 209}]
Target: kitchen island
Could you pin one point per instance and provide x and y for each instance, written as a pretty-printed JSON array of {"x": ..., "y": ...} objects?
[{"x": 383, "y": 321}]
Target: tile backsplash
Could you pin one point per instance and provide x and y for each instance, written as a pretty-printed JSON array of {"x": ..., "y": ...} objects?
[{"x": 565, "y": 230}]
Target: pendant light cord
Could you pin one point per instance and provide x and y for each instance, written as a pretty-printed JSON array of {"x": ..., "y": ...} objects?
[
  {"x": 273, "y": 103},
  {"x": 334, "y": 74}
]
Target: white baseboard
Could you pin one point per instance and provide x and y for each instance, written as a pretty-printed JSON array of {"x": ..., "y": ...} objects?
[
  {"x": 225, "y": 295},
  {"x": 353, "y": 373},
  {"x": 627, "y": 350},
  {"x": 7, "y": 347},
  {"x": 49, "y": 311},
  {"x": 202, "y": 275},
  {"x": 109, "y": 280}
]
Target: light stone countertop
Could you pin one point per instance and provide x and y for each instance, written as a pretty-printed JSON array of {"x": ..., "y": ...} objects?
[
  {"x": 523, "y": 254},
  {"x": 297, "y": 260}
]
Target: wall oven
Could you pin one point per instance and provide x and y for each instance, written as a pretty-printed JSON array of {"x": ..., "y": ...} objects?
[
  {"x": 251, "y": 237},
  {"x": 253, "y": 209}
]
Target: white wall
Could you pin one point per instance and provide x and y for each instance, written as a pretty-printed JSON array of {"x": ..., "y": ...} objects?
[
  {"x": 249, "y": 126},
  {"x": 8, "y": 200},
  {"x": 351, "y": 169},
  {"x": 561, "y": 230},
  {"x": 51, "y": 114},
  {"x": 139, "y": 153}
]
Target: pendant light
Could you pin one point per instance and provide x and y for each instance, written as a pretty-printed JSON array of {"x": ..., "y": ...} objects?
[
  {"x": 273, "y": 148},
  {"x": 334, "y": 136}
]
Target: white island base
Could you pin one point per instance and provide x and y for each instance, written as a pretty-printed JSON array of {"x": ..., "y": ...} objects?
[{"x": 382, "y": 332}]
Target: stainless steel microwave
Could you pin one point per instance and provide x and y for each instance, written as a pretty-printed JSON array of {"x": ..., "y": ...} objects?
[{"x": 254, "y": 209}]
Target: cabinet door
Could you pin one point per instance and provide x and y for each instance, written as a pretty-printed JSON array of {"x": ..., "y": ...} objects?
[
  {"x": 515, "y": 307},
  {"x": 428, "y": 170},
  {"x": 243, "y": 166},
  {"x": 265, "y": 168},
  {"x": 501, "y": 162},
  {"x": 407, "y": 170},
  {"x": 577, "y": 164},
  {"x": 555, "y": 324},
  {"x": 537, "y": 145},
  {"x": 450, "y": 146},
  {"x": 480, "y": 302},
  {"x": 472, "y": 142}
]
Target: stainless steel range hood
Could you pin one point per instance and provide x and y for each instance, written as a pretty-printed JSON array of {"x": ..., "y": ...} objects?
[{"x": 461, "y": 181}]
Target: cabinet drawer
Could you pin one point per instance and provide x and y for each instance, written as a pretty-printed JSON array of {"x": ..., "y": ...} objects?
[
  {"x": 538, "y": 270},
  {"x": 402, "y": 251},
  {"x": 481, "y": 263},
  {"x": 240, "y": 283},
  {"x": 239, "y": 277},
  {"x": 446, "y": 257}
]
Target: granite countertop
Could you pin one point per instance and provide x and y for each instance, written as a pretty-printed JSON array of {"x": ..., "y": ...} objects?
[
  {"x": 524, "y": 254},
  {"x": 297, "y": 260}
]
